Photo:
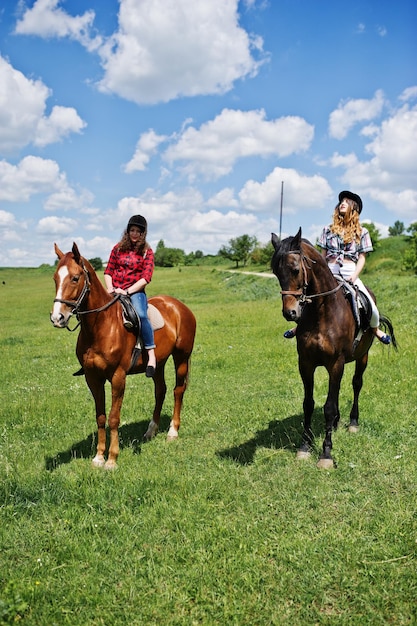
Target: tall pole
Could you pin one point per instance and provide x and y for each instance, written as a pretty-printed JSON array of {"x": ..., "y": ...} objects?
[{"x": 280, "y": 213}]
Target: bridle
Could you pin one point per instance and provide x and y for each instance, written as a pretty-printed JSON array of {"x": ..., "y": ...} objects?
[
  {"x": 76, "y": 304},
  {"x": 301, "y": 294}
]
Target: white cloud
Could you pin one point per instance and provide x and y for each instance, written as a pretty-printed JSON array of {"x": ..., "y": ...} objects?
[
  {"x": 54, "y": 225},
  {"x": 6, "y": 219},
  {"x": 22, "y": 108},
  {"x": 31, "y": 176},
  {"x": 300, "y": 192},
  {"x": 34, "y": 175},
  {"x": 224, "y": 198},
  {"x": 146, "y": 147},
  {"x": 67, "y": 199},
  {"x": 351, "y": 112},
  {"x": 409, "y": 94},
  {"x": 213, "y": 149},
  {"x": 183, "y": 220},
  {"x": 47, "y": 19},
  {"x": 389, "y": 176},
  {"x": 165, "y": 49},
  {"x": 395, "y": 146},
  {"x": 61, "y": 122}
]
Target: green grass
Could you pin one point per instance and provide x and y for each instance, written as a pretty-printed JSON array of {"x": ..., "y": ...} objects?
[{"x": 223, "y": 526}]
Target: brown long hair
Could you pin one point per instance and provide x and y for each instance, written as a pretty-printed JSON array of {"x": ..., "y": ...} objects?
[
  {"x": 348, "y": 225},
  {"x": 125, "y": 244}
]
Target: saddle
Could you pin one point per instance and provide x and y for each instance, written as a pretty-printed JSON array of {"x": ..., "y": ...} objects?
[
  {"x": 131, "y": 321},
  {"x": 361, "y": 307}
]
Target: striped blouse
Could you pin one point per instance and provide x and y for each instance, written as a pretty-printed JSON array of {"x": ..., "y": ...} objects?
[{"x": 338, "y": 250}]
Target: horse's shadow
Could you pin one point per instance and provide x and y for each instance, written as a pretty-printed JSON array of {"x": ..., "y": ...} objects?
[
  {"x": 130, "y": 436},
  {"x": 281, "y": 434}
]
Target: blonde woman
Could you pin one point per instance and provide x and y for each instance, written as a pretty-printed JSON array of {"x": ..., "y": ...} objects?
[{"x": 345, "y": 244}]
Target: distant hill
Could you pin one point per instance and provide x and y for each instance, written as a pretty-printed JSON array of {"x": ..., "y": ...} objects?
[{"x": 388, "y": 255}]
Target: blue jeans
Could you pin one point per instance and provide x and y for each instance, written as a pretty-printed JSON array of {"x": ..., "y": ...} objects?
[{"x": 140, "y": 303}]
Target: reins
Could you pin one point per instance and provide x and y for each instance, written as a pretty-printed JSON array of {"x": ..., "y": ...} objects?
[
  {"x": 76, "y": 304},
  {"x": 301, "y": 293}
]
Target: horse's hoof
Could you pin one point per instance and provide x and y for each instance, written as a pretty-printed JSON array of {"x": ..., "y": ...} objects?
[
  {"x": 172, "y": 432},
  {"x": 353, "y": 428},
  {"x": 98, "y": 461},
  {"x": 303, "y": 455},
  {"x": 110, "y": 465},
  {"x": 151, "y": 432},
  {"x": 325, "y": 464}
]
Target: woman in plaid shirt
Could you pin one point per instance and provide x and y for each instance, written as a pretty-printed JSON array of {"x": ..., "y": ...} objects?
[
  {"x": 344, "y": 245},
  {"x": 128, "y": 271}
]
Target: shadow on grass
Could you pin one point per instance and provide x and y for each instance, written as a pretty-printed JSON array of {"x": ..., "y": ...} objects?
[
  {"x": 280, "y": 434},
  {"x": 130, "y": 436}
]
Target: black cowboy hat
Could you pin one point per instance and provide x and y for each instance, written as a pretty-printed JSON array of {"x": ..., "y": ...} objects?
[
  {"x": 351, "y": 196},
  {"x": 137, "y": 220}
]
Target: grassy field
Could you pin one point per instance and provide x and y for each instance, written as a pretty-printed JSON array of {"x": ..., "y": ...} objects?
[{"x": 223, "y": 526}]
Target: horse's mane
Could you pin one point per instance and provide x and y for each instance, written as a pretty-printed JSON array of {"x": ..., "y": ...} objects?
[
  {"x": 294, "y": 244},
  {"x": 92, "y": 274},
  {"x": 297, "y": 243}
]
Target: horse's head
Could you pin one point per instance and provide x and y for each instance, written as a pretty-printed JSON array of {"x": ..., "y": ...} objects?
[
  {"x": 72, "y": 285},
  {"x": 289, "y": 266}
]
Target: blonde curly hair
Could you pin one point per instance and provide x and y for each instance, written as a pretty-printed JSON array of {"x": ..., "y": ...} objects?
[{"x": 347, "y": 226}]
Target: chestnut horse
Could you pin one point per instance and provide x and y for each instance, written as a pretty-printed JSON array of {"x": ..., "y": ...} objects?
[
  {"x": 326, "y": 329},
  {"x": 104, "y": 347}
]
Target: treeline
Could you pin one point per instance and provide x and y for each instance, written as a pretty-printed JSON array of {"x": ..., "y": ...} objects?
[{"x": 246, "y": 249}]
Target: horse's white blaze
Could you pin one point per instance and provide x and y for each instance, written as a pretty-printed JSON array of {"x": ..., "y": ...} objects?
[{"x": 56, "y": 311}]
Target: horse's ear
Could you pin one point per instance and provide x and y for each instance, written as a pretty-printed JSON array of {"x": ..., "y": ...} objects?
[
  {"x": 297, "y": 239},
  {"x": 58, "y": 252},
  {"x": 76, "y": 253},
  {"x": 275, "y": 240}
]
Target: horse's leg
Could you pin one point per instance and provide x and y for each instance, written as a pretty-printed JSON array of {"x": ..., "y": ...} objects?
[
  {"x": 357, "y": 382},
  {"x": 331, "y": 413},
  {"x": 96, "y": 387},
  {"x": 118, "y": 385},
  {"x": 181, "y": 362},
  {"x": 160, "y": 390},
  {"x": 307, "y": 376}
]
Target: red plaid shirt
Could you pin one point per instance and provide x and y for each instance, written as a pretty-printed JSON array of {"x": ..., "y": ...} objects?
[{"x": 126, "y": 268}]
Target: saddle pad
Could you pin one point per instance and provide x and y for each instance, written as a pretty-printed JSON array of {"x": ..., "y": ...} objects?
[{"x": 155, "y": 317}]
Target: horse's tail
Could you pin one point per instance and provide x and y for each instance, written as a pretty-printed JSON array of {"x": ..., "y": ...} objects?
[{"x": 385, "y": 322}]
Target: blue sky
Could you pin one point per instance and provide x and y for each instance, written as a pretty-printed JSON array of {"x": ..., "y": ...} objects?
[{"x": 193, "y": 113}]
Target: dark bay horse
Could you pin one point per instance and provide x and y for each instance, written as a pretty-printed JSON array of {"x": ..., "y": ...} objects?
[
  {"x": 326, "y": 329},
  {"x": 104, "y": 346}
]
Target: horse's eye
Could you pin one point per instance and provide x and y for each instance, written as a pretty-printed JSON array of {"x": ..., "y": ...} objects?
[{"x": 75, "y": 279}]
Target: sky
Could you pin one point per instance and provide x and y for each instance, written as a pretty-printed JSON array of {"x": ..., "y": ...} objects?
[{"x": 205, "y": 116}]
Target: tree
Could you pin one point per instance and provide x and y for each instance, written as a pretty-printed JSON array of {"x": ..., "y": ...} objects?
[
  {"x": 374, "y": 233},
  {"x": 412, "y": 229},
  {"x": 239, "y": 249},
  {"x": 168, "y": 257},
  {"x": 397, "y": 229},
  {"x": 262, "y": 255},
  {"x": 97, "y": 263},
  {"x": 410, "y": 254}
]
